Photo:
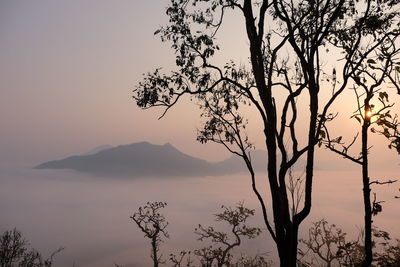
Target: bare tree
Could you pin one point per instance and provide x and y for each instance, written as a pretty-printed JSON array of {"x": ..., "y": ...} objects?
[
  {"x": 183, "y": 259},
  {"x": 221, "y": 252},
  {"x": 276, "y": 85},
  {"x": 326, "y": 245},
  {"x": 153, "y": 224}
]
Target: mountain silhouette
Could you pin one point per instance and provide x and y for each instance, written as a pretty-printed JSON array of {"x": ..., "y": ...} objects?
[
  {"x": 148, "y": 160},
  {"x": 98, "y": 149}
]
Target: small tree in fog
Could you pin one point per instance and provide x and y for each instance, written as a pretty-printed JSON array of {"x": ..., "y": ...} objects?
[
  {"x": 153, "y": 224},
  {"x": 219, "y": 253}
]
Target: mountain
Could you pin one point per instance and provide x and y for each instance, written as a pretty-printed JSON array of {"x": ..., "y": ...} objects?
[
  {"x": 235, "y": 164},
  {"x": 149, "y": 160},
  {"x": 98, "y": 149},
  {"x": 134, "y": 160}
]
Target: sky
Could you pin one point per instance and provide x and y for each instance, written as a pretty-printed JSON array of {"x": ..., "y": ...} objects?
[{"x": 67, "y": 73}]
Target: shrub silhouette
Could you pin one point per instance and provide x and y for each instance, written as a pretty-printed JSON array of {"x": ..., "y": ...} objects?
[{"x": 14, "y": 251}]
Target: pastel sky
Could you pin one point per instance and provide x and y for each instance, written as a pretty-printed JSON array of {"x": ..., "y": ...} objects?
[{"x": 67, "y": 71}]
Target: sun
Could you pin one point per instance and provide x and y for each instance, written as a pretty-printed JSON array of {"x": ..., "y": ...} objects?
[{"x": 368, "y": 113}]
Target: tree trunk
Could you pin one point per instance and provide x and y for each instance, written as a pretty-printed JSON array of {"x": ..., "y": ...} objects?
[
  {"x": 366, "y": 190},
  {"x": 154, "y": 251},
  {"x": 288, "y": 252}
]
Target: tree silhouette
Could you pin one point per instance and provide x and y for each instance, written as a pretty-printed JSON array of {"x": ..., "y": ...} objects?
[
  {"x": 220, "y": 252},
  {"x": 277, "y": 86},
  {"x": 153, "y": 224},
  {"x": 373, "y": 73},
  {"x": 14, "y": 251},
  {"x": 326, "y": 245},
  {"x": 236, "y": 218},
  {"x": 390, "y": 255}
]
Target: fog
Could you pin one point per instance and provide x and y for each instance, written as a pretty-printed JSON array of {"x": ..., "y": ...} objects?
[{"x": 89, "y": 216}]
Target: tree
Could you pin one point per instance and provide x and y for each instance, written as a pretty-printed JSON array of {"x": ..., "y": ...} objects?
[
  {"x": 14, "y": 251},
  {"x": 372, "y": 74},
  {"x": 219, "y": 253},
  {"x": 277, "y": 86},
  {"x": 183, "y": 259},
  {"x": 326, "y": 245},
  {"x": 236, "y": 218},
  {"x": 153, "y": 224},
  {"x": 390, "y": 255},
  {"x": 256, "y": 261}
]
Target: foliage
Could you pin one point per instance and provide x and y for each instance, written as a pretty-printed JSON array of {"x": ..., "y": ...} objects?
[
  {"x": 256, "y": 261},
  {"x": 390, "y": 255},
  {"x": 14, "y": 251},
  {"x": 326, "y": 245},
  {"x": 389, "y": 128}
]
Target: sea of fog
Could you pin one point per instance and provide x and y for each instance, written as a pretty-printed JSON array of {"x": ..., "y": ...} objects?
[{"x": 89, "y": 216}]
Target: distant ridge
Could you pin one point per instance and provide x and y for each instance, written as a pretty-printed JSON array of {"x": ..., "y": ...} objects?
[
  {"x": 148, "y": 160},
  {"x": 98, "y": 149}
]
